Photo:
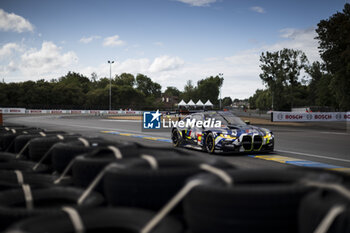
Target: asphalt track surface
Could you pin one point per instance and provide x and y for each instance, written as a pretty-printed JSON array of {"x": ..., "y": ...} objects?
[{"x": 293, "y": 146}]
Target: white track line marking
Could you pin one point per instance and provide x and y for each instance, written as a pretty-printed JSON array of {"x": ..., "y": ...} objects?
[
  {"x": 111, "y": 120},
  {"x": 118, "y": 130},
  {"x": 316, "y": 156},
  {"x": 335, "y": 133}
]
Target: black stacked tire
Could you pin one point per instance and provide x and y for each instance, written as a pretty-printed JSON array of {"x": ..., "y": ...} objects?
[
  {"x": 63, "y": 153},
  {"x": 98, "y": 220},
  {"x": 6, "y": 157},
  {"x": 23, "y": 165},
  {"x": 39, "y": 146},
  {"x": 7, "y": 139},
  {"x": 316, "y": 205},
  {"x": 35, "y": 179},
  {"x": 86, "y": 169},
  {"x": 258, "y": 201},
  {"x": 46, "y": 202},
  {"x": 143, "y": 187}
]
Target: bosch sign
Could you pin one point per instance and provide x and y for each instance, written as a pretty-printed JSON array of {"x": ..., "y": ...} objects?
[
  {"x": 310, "y": 116},
  {"x": 293, "y": 117},
  {"x": 322, "y": 116}
]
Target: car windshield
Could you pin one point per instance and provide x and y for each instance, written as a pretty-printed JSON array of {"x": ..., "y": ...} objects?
[{"x": 225, "y": 118}]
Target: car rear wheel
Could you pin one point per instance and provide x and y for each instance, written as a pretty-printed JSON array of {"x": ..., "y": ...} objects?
[
  {"x": 176, "y": 138},
  {"x": 210, "y": 143}
]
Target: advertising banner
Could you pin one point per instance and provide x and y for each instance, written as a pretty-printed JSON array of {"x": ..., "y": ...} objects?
[
  {"x": 310, "y": 116},
  {"x": 13, "y": 110}
]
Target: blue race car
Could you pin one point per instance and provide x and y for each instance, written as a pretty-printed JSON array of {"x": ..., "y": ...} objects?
[{"x": 221, "y": 131}]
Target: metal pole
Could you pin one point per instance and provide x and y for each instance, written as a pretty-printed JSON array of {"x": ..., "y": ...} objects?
[
  {"x": 110, "y": 84},
  {"x": 220, "y": 74}
]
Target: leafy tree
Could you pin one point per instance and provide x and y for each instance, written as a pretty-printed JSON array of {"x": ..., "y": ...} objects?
[
  {"x": 190, "y": 92},
  {"x": 320, "y": 92},
  {"x": 125, "y": 79},
  {"x": 129, "y": 96},
  {"x": 260, "y": 100},
  {"x": 209, "y": 88},
  {"x": 227, "y": 101},
  {"x": 102, "y": 83},
  {"x": 147, "y": 87},
  {"x": 94, "y": 77},
  {"x": 76, "y": 79},
  {"x": 334, "y": 41},
  {"x": 172, "y": 91},
  {"x": 280, "y": 73},
  {"x": 206, "y": 89}
]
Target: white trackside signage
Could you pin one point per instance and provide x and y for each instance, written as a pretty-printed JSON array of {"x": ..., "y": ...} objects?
[{"x": 310, "y": 116}]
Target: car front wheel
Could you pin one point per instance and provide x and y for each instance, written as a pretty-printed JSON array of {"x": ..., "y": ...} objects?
[
  {"x": 210, "y": 143},
  {"x": 176, "y": 138}
]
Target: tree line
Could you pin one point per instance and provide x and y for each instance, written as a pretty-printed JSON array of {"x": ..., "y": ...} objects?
[
  {"x": 76, "y": 91},
  {"x": 323, "y": 84}
]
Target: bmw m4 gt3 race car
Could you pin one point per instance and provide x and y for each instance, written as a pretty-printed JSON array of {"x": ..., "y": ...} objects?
[{"x": 221, "y": 131}]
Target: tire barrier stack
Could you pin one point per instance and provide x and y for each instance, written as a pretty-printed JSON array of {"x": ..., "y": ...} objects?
[{"x": 58, "y": 182}]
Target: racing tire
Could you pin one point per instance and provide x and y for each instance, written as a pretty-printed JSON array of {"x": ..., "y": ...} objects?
[
  {"x": 176, "y": 138},
  {"x": 26, "y": 166},
  {"x": 6, "y": 185},
  {"x": 210, "y": 143},
  {"x": 6, "y": 140},
  {"x": 35, "y": 179},
  {"x": 98, "y": 220},
  {"x": 39, "y": 146},
  {"x": 316, "y": 205},
  {"x": 22, "y": 140},
  {"x": 6, "y": 157},
  {"x": 143, "y": 187},
  {"x": 45, "y": 202},
  {"x": 63, "y": 153},
  {"x": 85, "y": 170},
  {"x": 258, "y": 201}
]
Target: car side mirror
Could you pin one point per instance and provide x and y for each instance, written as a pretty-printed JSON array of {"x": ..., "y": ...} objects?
[{"x": 247, "y": 122}]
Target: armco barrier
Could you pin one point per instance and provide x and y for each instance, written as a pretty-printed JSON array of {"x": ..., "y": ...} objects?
[
  {"x": 310, "y": 116},
  {"x": 65, "y": 111},
  {"x": 13, "y": 110}
]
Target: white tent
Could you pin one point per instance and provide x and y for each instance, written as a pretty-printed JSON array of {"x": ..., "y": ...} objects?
[
  {"x": 182, "y": 103},
  {"x": 191, "y": 104},
  {"x": 199, "y": 103},
  {"x": 208, "y": 103}
]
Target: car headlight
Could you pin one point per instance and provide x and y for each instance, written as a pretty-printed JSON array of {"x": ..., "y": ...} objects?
[
  {"x": 227, "y": 136},
  {"x": 268, "y": 137}
]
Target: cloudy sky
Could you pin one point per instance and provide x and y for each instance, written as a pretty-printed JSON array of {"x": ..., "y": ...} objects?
[{"x": 171, "y": 41}]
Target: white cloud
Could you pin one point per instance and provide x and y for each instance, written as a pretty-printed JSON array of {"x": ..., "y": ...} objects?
[
  {"x": 8, "y": 49},
  {"x": 113, "y": 41},
  {"x": 87, "y": 40},
  {"x": 258, "y": 9},
  {"x": 13, "y": 22},
  {"x": 11, "y": 67},
  {"x": 158, "y": 67},
  {"x": 166, "y": 63},
  {"x": 158, "y": 43},
  {"x": 302, "y": 39},
  {"x": 49, "y": 59},
  {"x": 198, "y": 2},
  {"x": 241, "y": 70}
]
